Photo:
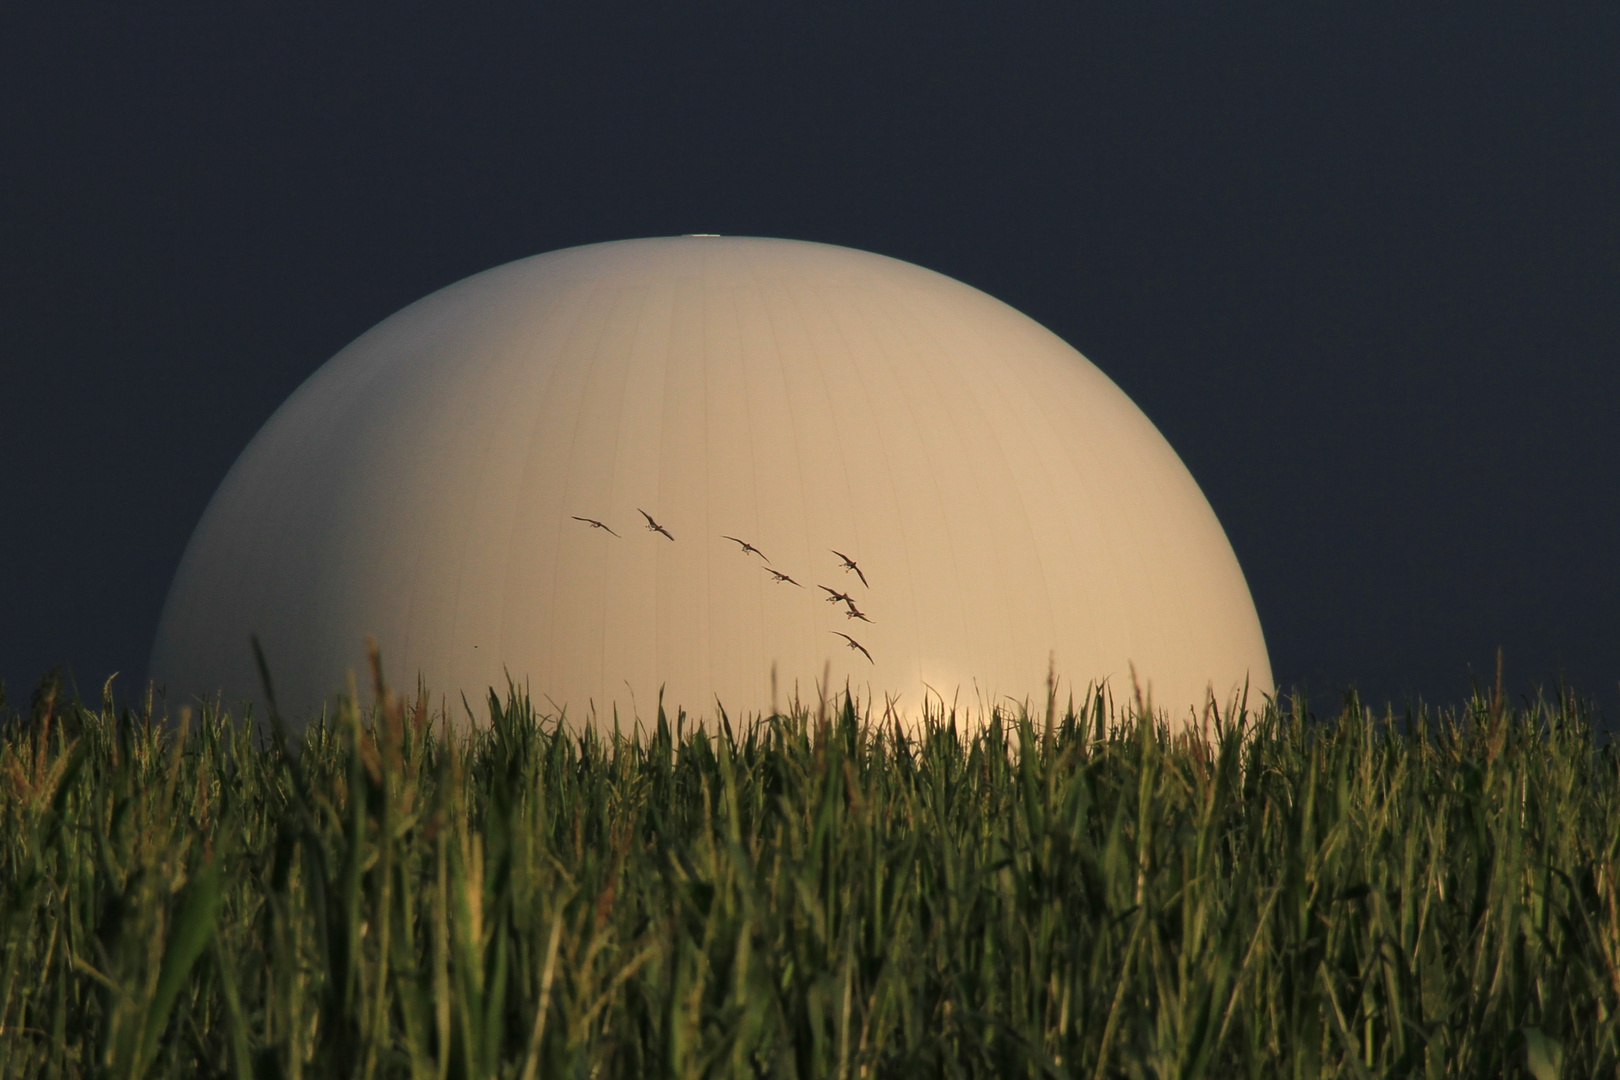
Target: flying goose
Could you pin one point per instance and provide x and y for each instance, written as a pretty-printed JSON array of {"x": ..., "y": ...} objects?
[{"x": 653, "y": 526}]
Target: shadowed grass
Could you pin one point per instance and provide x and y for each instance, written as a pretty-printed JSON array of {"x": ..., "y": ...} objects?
[{"x": 796, "y": 897}]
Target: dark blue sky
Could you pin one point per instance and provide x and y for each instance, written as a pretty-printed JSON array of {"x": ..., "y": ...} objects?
[{"x": 1360, "y": 263}]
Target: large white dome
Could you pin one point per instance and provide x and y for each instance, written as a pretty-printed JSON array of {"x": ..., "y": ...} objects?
[{"x": 1003, "y": 498}]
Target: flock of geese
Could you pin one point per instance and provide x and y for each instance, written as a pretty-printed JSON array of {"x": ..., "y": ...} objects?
[{"x": 834, "y": 596}]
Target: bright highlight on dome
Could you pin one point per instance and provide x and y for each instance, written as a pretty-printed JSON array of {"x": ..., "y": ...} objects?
[{"x": 684, "y": 463}]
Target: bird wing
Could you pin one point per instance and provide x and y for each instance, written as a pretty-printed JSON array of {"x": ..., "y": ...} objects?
[{"x": 860, "y": 575}]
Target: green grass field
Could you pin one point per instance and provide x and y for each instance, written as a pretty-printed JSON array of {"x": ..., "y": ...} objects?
[{"x": 811, "y": 896}]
